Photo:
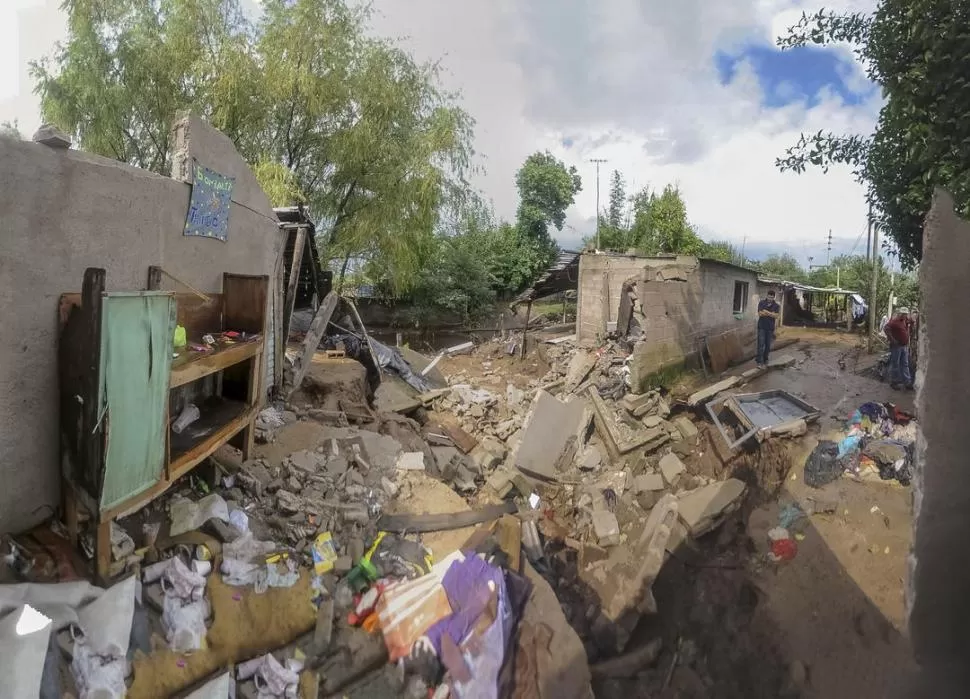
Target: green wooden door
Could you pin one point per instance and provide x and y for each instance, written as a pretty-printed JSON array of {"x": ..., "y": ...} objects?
[{"x": 136, "y": 360}]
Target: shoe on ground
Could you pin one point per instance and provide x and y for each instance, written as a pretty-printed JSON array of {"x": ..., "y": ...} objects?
[{"x": 894, "y": 386}]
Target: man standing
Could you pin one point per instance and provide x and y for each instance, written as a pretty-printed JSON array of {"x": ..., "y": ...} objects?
[
  {"x": 898, "y": 331},
  {"x": 768, "y": 311}
]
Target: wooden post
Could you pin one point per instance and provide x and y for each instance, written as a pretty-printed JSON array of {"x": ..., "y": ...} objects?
[
  {"x": 291, "y": 287},
  {"x": 92, "y": 440},
  {"x": 525, "y": 330},
  {"x": 318, "y": 329},
  {"x": 848, "y": 312},
  {"x": 102, "y": 550}
]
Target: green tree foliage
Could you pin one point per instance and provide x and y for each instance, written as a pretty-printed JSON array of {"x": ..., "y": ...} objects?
[
  {"x": 916, "y": 51},
  {"x": 657, "y": 224},
  {"x": 721, "y": 250},
  {"x": 784, "y": 267},
  {"x": 325, "y": 113},
  {"x": 616, "y": 214},
  {"x": 660, "y": 224},
  {"x": 546, "y": 189}
]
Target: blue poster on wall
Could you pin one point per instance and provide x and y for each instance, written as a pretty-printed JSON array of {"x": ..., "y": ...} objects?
[{"x": 208, "y": 214}]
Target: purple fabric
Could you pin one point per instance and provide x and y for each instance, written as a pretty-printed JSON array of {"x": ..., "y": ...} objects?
[{"x": 466, "y": 584}]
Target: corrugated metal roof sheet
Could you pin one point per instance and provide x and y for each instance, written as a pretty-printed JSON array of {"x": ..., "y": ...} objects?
[{"x": 562, "y": 275}]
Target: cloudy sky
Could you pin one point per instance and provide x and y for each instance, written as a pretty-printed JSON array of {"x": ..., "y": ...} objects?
[{"x": 692, "y": 92}]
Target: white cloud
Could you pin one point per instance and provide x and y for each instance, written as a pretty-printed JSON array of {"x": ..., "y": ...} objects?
[
  {"x": 634, "y": 81},
  {"x": 630, "y": 80}
]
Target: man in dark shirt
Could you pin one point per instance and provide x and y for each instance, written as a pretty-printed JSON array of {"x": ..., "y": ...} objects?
[
  {"x": 768, "y": 311},
  {"x": 897, "y": 331}
]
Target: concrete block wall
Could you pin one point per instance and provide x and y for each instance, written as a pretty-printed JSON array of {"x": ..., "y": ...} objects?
[
  {"x": 601, "y": 279},
  {"x": 677, "y": 312},
  {"x": 63, "y": 211}
]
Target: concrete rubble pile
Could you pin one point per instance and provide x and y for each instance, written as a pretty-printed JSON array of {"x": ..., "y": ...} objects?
[
  {"x": 600, "y": 472},
  {"x": 569, "y": 476}
]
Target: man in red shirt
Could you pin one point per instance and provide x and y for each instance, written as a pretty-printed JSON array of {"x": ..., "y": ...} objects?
[{"x": 898, "y": 330}]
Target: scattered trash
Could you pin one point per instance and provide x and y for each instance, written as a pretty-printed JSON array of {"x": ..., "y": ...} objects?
[
  {"x": 324, "y": 554},
  {"x": 190, "y": 413}
]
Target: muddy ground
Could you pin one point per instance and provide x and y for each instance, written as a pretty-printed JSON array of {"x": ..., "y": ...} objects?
[
  {"x": 831, "y": 622},
  {"x": 828, "y": 624}
]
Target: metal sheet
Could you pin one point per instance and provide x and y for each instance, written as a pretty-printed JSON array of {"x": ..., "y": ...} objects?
[{"x": 136, "y": 361}]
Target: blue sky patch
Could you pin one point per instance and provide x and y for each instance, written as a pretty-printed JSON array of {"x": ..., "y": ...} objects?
[{"x": 795, "y": 75}]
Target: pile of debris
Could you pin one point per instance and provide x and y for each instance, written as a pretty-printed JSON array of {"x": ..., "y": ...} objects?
[
  {"x": 598, "y": 473},
  {"x": 570, "y": 475},
  {"x": 878, "y": 443}
]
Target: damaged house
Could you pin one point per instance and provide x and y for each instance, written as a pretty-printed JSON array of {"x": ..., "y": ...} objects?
[
  {"x": 672, "y": 309},
  {"x": 76, "y": 222}
]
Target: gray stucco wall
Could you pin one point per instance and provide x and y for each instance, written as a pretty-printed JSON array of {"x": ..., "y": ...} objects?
[
  {"x": 62, "y": 211},
  {"x": 937, "y": 599},
  {"x": 682, "y": 303}
]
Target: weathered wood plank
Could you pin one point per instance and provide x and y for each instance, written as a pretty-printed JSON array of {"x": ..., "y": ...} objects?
[
  {"x": 192, "y": 366},
  {"x": 312, "y": 340}
]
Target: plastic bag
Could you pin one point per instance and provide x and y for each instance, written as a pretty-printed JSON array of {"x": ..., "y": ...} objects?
[
  {"x": 184, "y": 623},
  {"x": 188, "y": 415},
  {"x": 823, "y": 465}
]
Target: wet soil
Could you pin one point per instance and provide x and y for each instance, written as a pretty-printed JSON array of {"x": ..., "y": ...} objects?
[{"x": 831, "y": 622}]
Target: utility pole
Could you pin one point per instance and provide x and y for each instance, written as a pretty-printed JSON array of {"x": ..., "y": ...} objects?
[
  {"x": 869, "y": 235},
  {"x": 873, "y": 284},
  {"x": 828, "y": 252},
  {"x": 597, "y": 161}
]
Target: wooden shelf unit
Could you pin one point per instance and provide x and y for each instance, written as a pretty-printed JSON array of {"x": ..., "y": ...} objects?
[{"x": 120, "y": 382}]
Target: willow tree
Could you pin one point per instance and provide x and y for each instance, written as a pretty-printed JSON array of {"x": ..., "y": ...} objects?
[{"x": 326, "y": 114}]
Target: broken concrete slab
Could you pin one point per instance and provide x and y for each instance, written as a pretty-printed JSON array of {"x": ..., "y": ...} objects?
[
  {"x": 752, "y": 373},
  {"x": 704, "y": 509},
  {"x": 288, "y": 503},
  {"x": 686, "y": 427},
  {"x": 652, "y": 421},
  {"x": 631, "y": 592},
  {"x": 793, "y": 428},
  {"x": 580, "y": 365},
  {"x": 411, "y": 461},
  {"x": 705, "y": 394},
  {"x": 306, "y": 461},
  {"x": 672, "y": 468},
  {"x": 590, "y": 459},
  {"x": 501, "y": 482},
  {"x": 648, "y": 482},
  {"x": 606, "y": 528},
  {"x": 781, "y": 362},
  {"x": 550, "y": 436}
]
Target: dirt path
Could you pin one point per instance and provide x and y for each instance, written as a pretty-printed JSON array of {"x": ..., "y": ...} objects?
[{"x": 839, "y": 605}]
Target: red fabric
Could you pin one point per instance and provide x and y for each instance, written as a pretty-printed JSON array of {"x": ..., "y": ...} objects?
[
  {"x": 784, "y": 549},
  {"x": 898, "y": 330}
]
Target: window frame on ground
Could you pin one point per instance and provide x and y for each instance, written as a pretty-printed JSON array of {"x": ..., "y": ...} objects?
[{"x": 742, "y": 297}]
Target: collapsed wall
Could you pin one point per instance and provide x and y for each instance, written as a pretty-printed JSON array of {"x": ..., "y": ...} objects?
[{"x": 64, "y": 211}]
